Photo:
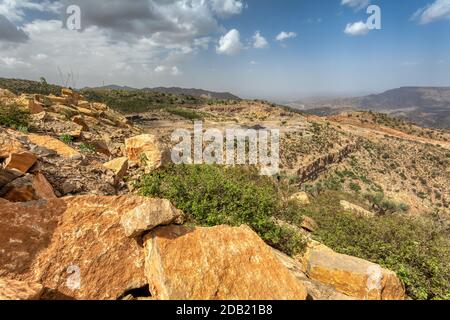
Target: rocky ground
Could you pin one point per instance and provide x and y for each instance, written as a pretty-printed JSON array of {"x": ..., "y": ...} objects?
[{"x": 71, "y": 226}]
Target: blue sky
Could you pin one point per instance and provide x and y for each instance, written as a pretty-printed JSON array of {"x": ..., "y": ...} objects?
[{"x": 211, "y": 45}]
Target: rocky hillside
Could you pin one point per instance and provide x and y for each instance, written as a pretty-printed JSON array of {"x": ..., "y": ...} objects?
[
  {"x": 91, "y": 208},
  {"x": 198, "y": 93},
  {"x": 426, "y": 106}
]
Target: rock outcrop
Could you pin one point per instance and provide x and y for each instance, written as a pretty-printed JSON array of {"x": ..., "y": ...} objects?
[
  {"x": 350, "y": 275},
  {"x": 19, "y": 290},
  {"x": 55, "y": 145},
  {"x": 147, "y": 216},
  {"x": 215, "y": 263},
  {"x": 75, "y": 246},
  {"x": 312, "y": 170},
  {"x": 316, "y": 290},
  {"x": 146, "y": 150},
  {"x": 301, "y": 198},
  {"x": 357, "y": 210},
  {"x": 119, "y": 166},
  {"x": 28, "y": 188},
  {"x": 20, "y": 161}
]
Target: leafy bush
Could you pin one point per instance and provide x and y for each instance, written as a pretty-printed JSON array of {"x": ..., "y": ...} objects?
[
  {"x": 213, "y": 195},
  {"x": 19, "y": 86},
  {"x": 13, "y": 116},
  {"x": 417, "y": 249},
  {"x": 186, "y": 113},
  {"x": 384, "y": 206},
  {"x": 355, "y": 187},
  {"x": 66, "y": 138},
  {"x": 87, "y": 148},
  {"x": 137, "y": 101}
]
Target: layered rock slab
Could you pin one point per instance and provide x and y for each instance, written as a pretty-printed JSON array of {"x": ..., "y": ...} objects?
[
  {"x": 215, "y": 264},
  {"x": 19, "y": 290},
  {"x": 74, "y": 246},
  {"x": 352, "y": 276}
]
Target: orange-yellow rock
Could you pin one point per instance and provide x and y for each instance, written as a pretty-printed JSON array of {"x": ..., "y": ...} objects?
[
  {"x": 58, "y": 100},
  {"x": 352, "y": 276},
  {"x": 301, "y": 198},
  {"x": 19, "y": 290},
  {"x": 214, "y": 264},
  {"x": 29, "y": 103},
  {"x": 357, "y": 210},
  {"x": 86, "y": 111},
  {"x": 20, "y": 161},
  {"x": 75, "y": 246},
  {"x": 145, "y": 150},
  {"x": 9, "y": 144},
  {"x": 28, "y": 188},
  {"x": 119, "y": 166},
  {"x": 152, "y": 213},
  {"x": 5, "y": 93},
  {"x": 53, "y": 144}
]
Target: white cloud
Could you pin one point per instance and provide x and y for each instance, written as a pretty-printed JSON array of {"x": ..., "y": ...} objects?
[
  {"x": 89, "y": 54},
  {"x": 13, "y": 62},
  {"x": 259, "y": 42},
  {"x": 357, "y": 29},
  {"x": 174, "y": 71},
  {"x": 356, "y": 4},
  {"x": 226, "y": 8},
  {"x": 230, "y": 43},
  {"x": 14, "y": 10},
  {"x": 160, "y": 69},
  {"x": 129, "y": 39},
  {"x": 439, "y": 10},
  {"x": 285, "y": 35}
]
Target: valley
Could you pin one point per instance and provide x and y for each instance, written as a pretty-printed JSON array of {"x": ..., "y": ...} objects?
[{"x": 356, "y": 191}]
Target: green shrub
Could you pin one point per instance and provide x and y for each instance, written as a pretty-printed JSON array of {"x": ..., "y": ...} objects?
[
  {"x": 384, "y": 206},
  {"x": 19, "y": 86},
  {"x": 87, "y": 148},
  {"x": 66, "y": 138},
  {"x": 416, "y": 249},
  {"x": 214, "y": 195},
  {"x": 355, "y": 187},
  {"x": 13, "y": 116},
  {"x": 186, "y": 113}
]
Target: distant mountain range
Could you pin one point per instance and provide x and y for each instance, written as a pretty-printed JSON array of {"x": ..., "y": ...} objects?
[
  {"x": 175, "y": 90},
  {"x": 426, "y": 106}
]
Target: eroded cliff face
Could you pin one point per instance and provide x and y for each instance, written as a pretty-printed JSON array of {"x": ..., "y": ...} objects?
[{"x": 312, "y": 170}]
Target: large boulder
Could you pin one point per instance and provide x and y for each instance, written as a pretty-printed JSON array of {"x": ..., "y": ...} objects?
[
  {"x": 309, "y": 224},
  {"x": 57, "y": 146},
  {"x": 9, "y": 144},
  {"x": 357, "y": 210},
  {"x": 20, "y": 161},
  {"x": 28, "y": 188},
  {"x": 75, "y": 246},
  {"x": 350, "y": 275},
  {"x": 59, "y": 100},
  {"x": 119, "y": 166},
  {"x": 315, "y": 289},
  {"x": 301, "y": 198},
  {"x": 146, "y": 150},
  {"x": 214, "y": 264},
  {"x": 152, "y": 213},
  {"x": 30, "y": 104},
  {"x": 6, "y": 94},
  {"x": 19, "y": 290},
  {"x": 7, "y": 176}
]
